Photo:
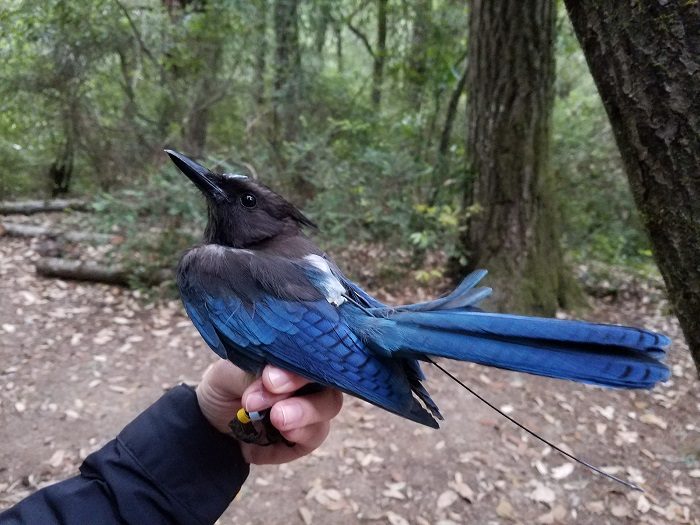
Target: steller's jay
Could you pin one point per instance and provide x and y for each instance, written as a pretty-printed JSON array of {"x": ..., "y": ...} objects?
[{"x": 261, "y": 292}]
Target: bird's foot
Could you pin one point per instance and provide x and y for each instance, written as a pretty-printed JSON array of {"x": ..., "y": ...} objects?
[{"x": 256, "y": 428}]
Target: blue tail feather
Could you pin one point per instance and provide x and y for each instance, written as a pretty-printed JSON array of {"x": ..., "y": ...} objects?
[
  {"x": 604, "y": 355},
  {"x": 538, "y": 328},
  {"x": 464, "y": 296}
]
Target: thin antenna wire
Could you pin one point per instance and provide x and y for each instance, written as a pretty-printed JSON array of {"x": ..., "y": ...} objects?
[{"x": 626, "y": 483}]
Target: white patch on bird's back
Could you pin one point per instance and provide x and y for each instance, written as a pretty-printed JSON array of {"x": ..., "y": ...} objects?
[
  {"x": 219, "y": 249},
  {"x": 333, "y": 289},
  {"x": 235, "y": 176}
]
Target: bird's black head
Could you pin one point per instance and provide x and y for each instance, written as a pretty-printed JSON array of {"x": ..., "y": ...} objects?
[{"x": 242, "y": 212}]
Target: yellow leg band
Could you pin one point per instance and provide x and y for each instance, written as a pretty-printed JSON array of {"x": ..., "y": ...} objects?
[{"x": 242, "y": 416}]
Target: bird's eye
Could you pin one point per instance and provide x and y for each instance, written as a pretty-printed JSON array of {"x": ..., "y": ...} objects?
[{"x": 248, "y": 200}]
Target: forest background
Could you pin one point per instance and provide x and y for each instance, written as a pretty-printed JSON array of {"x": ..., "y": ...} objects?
[
  {"x": 426, "y": 138},
  {"x": 371, "y": 115}
]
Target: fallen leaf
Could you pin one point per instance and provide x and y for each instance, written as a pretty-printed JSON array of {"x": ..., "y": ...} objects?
[
  {"x": 653, "y": 419},
  {"x": 681, "y": 490},
  {"x": 543, "y": 494},
  {"x": 394, "y": 490},
  {"x": 57, "y": 458},
  {"x": 643, "y": 504},
  {"x": 621, "y": 510},
  {"x": 396, "y": 519},
  {"x": 556, "y": 515},
  {"x": 505, "y": 509},
  {"x": 608, "y": 412},
  {"x": 306, "y": 515},
  {"x": 464, "y": 490},
  {"x": 446, "y": 499},
  {"x": 562, "y": 471}
]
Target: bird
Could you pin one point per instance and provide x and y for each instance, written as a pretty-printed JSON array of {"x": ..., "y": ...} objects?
[{"x": 261, "y": 292}]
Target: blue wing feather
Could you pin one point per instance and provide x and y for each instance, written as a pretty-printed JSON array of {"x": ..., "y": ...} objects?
[{"x": 253, "y": 326}]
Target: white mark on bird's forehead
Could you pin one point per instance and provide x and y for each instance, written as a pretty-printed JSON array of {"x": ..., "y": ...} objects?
[{"x": 234, "y": 176}]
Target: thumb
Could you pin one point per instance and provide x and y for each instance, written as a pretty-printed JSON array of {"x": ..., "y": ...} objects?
[{"x": 219, "y": 393}]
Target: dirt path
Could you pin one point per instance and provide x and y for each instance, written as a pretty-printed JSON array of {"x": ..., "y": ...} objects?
[{"x": 78, "y": 361}]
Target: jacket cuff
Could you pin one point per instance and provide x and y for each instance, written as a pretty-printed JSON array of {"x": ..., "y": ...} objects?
[{"x": 190, "y": 461}]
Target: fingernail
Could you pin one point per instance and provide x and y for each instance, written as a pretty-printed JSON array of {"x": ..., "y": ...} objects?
[
  {"x": 256, "y": 401},
  {"x": 291, "y": 414},
  {"x": 277, "y": 378}
]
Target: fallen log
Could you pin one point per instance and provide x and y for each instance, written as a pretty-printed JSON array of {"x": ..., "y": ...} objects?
[
  {"x": 81, "y": 271},
  {"x": 12, "y": 229},
  {"x": 38, "y": 206},
  {"x": 77, "y": 270}
]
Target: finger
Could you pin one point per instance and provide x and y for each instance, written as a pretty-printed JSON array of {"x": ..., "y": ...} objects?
[
  {"x": 219, "y": 393},
  {"x": 278, "y": 381},
  {"x": 298, "y": 412},
  {"x": 226, "y": 381},
  {"x": 257, "y": 398},
  {"x": 309, "y": 437}
]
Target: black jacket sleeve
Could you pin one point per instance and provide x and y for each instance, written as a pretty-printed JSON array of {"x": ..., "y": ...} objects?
[{"x": 169, "y": 465}]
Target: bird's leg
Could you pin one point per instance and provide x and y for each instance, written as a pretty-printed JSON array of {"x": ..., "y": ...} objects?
[{"x": 256, "y": 428}]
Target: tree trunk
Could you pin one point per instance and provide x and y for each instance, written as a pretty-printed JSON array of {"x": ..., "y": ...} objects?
[
  {"x": 512, "y": 230},
  {"x": 416, "y": 73},
  {"x": 338, "y": 29},
  {"x": 209, "y": 53},
  {"x": 260, "y": 53},
  {"x": 60, "y": 172},
  {"x": 379, "y": 54},
  {"x": 287, "y": 71},
  {"x": 450, "y": 117},
  {"x": 321, "y": 21},
  {"x": 645, "y": 59}
]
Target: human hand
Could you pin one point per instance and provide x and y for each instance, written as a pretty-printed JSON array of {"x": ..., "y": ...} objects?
[{"x": 303, "y": 420}]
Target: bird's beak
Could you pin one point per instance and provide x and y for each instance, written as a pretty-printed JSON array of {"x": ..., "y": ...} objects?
[{"x": 204, "y": 179}]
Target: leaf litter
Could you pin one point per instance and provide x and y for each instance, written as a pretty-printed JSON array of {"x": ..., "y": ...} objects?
[{"x": 79, "y": 361}]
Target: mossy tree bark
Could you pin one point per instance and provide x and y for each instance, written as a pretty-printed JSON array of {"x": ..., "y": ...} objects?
[
  {"x": 379, "y": 53},
  {"x": 417, "y": 66},
  {"x": 645, "y": 60},
  {"x": 512, "y": 229},
  {"x": 287, "y": 71},
  {"x": 288, "y": 97}
]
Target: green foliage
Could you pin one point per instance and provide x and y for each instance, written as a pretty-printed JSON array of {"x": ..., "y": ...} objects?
[
  {"x": 158, "y": 220},
  {"x": 600, "y": 219},
  {"x": 114, "y": 82}
]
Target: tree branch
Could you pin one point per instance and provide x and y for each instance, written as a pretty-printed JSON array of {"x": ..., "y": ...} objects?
[
  {"x": 362, "y": 37},
  {"x": 137, "y": 34}
]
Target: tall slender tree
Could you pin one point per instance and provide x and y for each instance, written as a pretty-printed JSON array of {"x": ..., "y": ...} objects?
[
  {"x": 645, "y": 60},
  {"x": 287, "y": 71},
  {"x": 261, "y": 10},
  {"x": 379, "y": 53},
  {"x": 417, "y": 66},
  {"x": 376, "y": 51},
  {"x": 512, "y": 229}
]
